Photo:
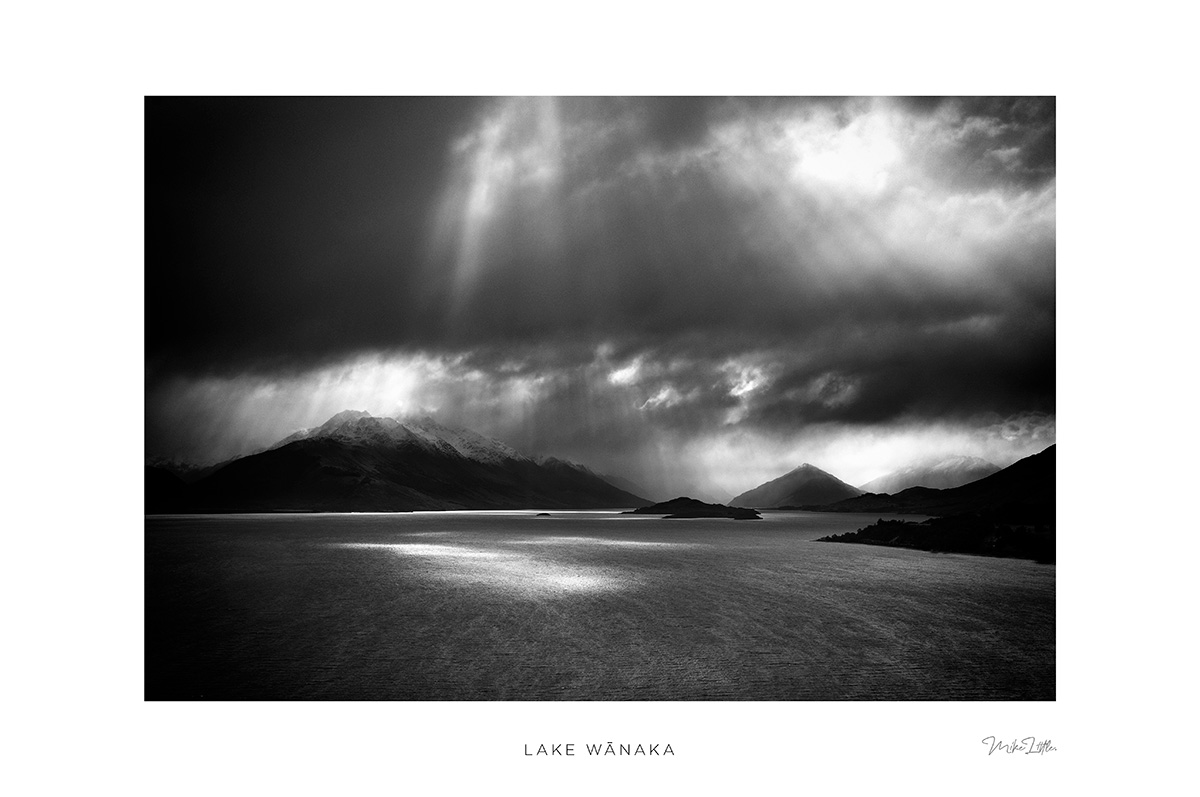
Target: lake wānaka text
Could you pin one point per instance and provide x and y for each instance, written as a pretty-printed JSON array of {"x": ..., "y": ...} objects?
[{"x": 607, "y": 748}]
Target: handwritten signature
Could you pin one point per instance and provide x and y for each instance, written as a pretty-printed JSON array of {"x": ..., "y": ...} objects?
[{"x": 1027, "y": 746}]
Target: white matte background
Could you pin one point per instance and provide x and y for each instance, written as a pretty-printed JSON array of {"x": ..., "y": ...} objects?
[{"x": 75, "y": 76}]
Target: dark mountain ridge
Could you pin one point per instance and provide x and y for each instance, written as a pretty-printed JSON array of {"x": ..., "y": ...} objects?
[
  {"x": 359, "y": 462},
  {"x": 1010, "y": 513},
  {"x": 1025, "y": 488}
]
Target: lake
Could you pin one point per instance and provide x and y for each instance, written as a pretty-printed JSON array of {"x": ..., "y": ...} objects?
[{"x": 581, "y": 606}]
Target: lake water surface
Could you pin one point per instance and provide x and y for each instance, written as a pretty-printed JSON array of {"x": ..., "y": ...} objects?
[{"x": 581, "y": 606}]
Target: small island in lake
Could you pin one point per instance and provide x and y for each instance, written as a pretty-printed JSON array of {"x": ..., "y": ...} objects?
[{"x": 691, "y": 508}]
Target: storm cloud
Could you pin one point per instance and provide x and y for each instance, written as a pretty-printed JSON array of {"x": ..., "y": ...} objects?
[{"x": 687, "y": 291}]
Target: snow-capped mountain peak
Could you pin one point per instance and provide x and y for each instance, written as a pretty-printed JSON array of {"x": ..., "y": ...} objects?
[
  {"x": 361, "y": 427},
  {"x": 467, "y": 443}
]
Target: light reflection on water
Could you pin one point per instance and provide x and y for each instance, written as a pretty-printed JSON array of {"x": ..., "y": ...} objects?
[
  {"x": 422, "y": 549},
  {"x": 506, "y": 571}
]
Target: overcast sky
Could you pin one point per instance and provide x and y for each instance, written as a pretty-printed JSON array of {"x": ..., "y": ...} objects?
[{"x": 696, "y": 294}]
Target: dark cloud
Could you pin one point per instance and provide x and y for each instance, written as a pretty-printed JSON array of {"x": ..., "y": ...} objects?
[
  {"x": 283, "y": 230},
  {"x": 596, "y": 275},
  {"x": 1010, "y": 138},
  {"x": 674, "y": 122},
  {"x": 895, "y": 374},
  {"x": 922, "y": 105}
]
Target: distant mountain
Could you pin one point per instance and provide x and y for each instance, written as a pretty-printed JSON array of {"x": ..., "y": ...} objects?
[
  {"x": 806, "y": 484},
  {"x": 684, "y": 507},
  {"x": 941, "y": 474},
  {"x": 1023, "y": 489},
  {"x": 359, "y": 462}
]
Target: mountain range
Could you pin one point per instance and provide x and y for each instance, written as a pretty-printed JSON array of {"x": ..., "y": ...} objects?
[
  {"x": 359, "y": 462},
  {"x": 802, "y": 486},
  {"x": 1009, "y": 513},
  {"x": 1023, "y": 489}
]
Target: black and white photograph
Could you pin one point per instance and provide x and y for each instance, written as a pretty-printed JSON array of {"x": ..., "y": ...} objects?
[
  {"x": 624, "y": 399},
  {"x": 600, "y": 398}
]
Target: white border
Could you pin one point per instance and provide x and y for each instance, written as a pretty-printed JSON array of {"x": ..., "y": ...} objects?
[{"x": 73, "y": 196}]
